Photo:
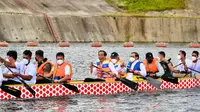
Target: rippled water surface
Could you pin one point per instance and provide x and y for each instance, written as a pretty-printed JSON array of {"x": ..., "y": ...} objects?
[{"x": 80, "y": 55}]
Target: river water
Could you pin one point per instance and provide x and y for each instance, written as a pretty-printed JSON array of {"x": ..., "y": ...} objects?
[{"x": 80, "y": 55}]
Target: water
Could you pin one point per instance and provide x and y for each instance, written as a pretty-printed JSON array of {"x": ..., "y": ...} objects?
[{"x": 80, "y": 55}]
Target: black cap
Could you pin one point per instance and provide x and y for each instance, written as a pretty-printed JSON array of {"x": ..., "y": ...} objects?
[
  {"x": 149, "y": 55},
  {"x": 114, "y": 55}
]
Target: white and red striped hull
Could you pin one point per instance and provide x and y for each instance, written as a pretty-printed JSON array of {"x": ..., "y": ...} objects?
[{"x": 94, "y": 88}]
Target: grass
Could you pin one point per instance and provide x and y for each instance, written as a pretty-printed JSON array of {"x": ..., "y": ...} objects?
[{"x": 148, "y": 5}]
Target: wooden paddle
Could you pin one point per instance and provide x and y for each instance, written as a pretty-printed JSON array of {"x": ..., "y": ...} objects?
[
  {"x": 12, "y": 91},
  {"x": 69, "y": 86},
  {"x": 127, "y": 82},
  {"x": 24, "y": 83}
]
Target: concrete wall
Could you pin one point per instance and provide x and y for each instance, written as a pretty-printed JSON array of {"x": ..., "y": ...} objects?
[
  {"x": 118, "y": 28},
  {"x": 18, "y": 28}
]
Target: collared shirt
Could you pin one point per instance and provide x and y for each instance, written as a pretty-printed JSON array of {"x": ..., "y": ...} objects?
[
  {"x": 111, "y": 66},
  {"x": 160, "y": 69},
  {"x": 195, "y": 66},
  {"x": 30, "y": 69},
  {"x": 181, "y": 67}
]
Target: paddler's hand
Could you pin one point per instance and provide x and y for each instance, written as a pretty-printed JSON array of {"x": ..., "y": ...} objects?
[
  {"x": 57, "y": 81},
  {"x": 38, "y": 75},
  {"x": 123, "y": 65},
  {"x": 131, "y": 70},
  {"x": 113, "y": 74},
  {"x": 152, "y": 75},
  {"x": 99, "y": 70},
  {"x": 136, "y": 72}
]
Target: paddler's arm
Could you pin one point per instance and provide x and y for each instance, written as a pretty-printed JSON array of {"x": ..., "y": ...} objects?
[
  {"x": 6, "y": 74},
  {"x": 160, "y": 69},
  {"x": 50, "y": 74},
  {"x": 143, "y": 70},
  {"x": 9, "y": 64},
  {"x": 113, "y": 70},
  {"x": 24, "y": 77},
  {"x": 47, "y": 70},
  {"x": 30, "y": 74},
  {"x": 93, "y": 70}
]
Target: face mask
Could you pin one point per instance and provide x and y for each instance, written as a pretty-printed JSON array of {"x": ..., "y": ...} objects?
[
  {"x": 193, "y": 58},
  {"x": 178, "y": 57},
  {"x": 114, "y": 61},
  {"x": 25, "y": 61},
  {"x": 59, "y": 62},
  {"x": 158, "y": 58},
  {"x": 149, "y": 60},
  {"x": 132, "y": 59},
  {"x": 7, "y": 59}
]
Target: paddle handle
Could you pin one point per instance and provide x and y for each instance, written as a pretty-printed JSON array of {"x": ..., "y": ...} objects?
[
  {"x": 177, "y": 65},
  {"x": 102, "y": 70},
  {"x": 45, "y": 78},
  {"x": 194, "y": 70}
]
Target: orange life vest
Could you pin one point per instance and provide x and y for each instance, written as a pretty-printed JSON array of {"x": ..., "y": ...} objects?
[
  {"x": 40, "y": 70},
  {"x": 105, "y": 67},
  {"x": 151, "y": 68},
  {"x": 60, "y": 72}
]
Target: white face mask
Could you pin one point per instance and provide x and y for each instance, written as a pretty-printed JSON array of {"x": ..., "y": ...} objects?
[
  {"x": 132, "y": 59},
  {"x": 158, "y": 58},
  {"x": 178, "y": 57},
  {"x": 59, "y": 62},
  {"x": 7, "y": 59},
  {"x": 194, "y": 58},
  {"x": 114, "y": 61},
  {"x": 25, "y": 61}
]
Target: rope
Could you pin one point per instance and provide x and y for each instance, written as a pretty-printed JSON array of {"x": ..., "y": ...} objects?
[{"x": 47, "y": 19}]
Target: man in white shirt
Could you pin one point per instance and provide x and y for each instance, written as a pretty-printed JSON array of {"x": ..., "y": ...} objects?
[
  {"x": 9, "y": 78},
  {"x": 195, "y": 62},
  {"x": 27, "y": 70},
  {"x": 135, "y": 67},
  {"x": 105, "y": 68},
  {"x": 182, "y": 69}
]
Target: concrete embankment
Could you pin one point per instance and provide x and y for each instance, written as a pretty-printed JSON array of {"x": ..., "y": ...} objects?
[{"x": 82, "y": 21}]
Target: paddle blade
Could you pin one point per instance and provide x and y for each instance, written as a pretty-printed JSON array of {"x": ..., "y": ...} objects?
[
  {"x": 172, "y": 80},
  {"x": 12, "y": 91},
  {"x": 71, "y": 87},
  {"x": 129, "y": 83},
  {"x": 28, "y": 88},
  {"x": 154, "y": 82}
]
